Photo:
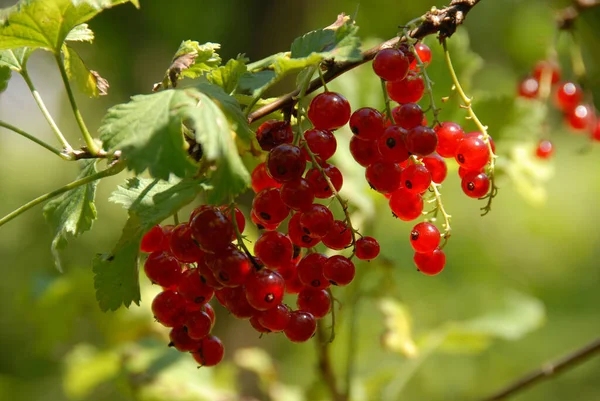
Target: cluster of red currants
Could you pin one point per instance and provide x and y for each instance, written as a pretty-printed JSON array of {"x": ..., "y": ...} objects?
[{"x": 568, "y": 99}]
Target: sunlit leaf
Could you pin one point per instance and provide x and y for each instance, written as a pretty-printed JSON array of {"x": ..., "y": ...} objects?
[
  {"x": 89, "y": 82},
  {"x": 398, "y": 324}
]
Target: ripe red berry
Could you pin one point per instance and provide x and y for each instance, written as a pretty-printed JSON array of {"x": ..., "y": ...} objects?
[
  {"x": 261, "y": 179},
  {"x": 268, "y": 206},
  {"x": 596, "y": 131},
  {"x": 315, "y": 302},
  {"x": 169, "y": 308},
  {"x": 274, "y": 249},
  {"x": 416, "y": 178},
  {"x": 339, "y": 270},
  {"x": 182, "y": 341},
  {"x": 212, "y": 230},
  {"x": 193, "y": 288},
  {"x": 322, "y": 143},
  {"x": 391, "y": 64},
  {"x": 273, "y": 133},
  {"x": 302, "y": 326},
  {"x": 529, "y": 88},
  {"x": 240, "y": 220},
  {"x": 367, "y": 123},
  {"x": 316, "y": 221},
  {"x": 367, "y": 248},
  {"x": 319, "y": 184},
  {"x": 231, "y": 267},
  {"x": 430, "y": 263},
  {"x": 545, "y": 149},
  {"x": 237, "y": 303},
  {"x": 162, "y": 269},
  {"x": 475, "y": 184},
  {"x": 329, "y": 111},
  {"x": 424, "y": 53},
  {"x": 547, "y": 67},
  {"x": 297, "y": 195},
  {"x": 198, "y": 324},
  {"x": 449, "y": 136},
  {"x": 472, "y": 153},
  {"x": 406, "y": 205},
  {"x": 261, "y": 225},
  {"x": 256, "y": 325},
  {"x": 364, "y": 152},
  {"x": 436, "y": 166},
  {"x": 421, "y": 141},
  {"x": 568, "y": 96},
  {"x": 425, "y": 237},
  {"x": 582, "y": 117},
  {"x": 286, "y": 163},
  {"x": 211, "y": 351},
  {"x": 339, "y": 236},
  {"x": 297, "y": 234},
  {"x": 310, "y": 271},
  {"x": 408, "y": 115},
  {"x": 392, "y": 145},
  {"x": 384, "y": 177},
  {"x": 275, "y": 319},
  {"x": 409, "y": 90},
  {"x": 153, "y": 240},
  {"x": 264, "y": 289},
  {"x": 183, "y": 246}
]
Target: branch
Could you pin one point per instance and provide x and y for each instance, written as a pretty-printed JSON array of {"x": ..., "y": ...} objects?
[
  {"x": 445, "y": 21},
  {"x": 567, "y": 16},
  {"x": 548, "y": 370},
  {"x": 327, "y": 373}
]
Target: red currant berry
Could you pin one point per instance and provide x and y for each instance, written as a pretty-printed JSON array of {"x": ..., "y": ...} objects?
[
  {"x": 475, "y": 184},
  {"x": 183, "y": 247},
  {"x": 237, "y": 303},
  {"x": 316, "y": 221},
  {"x": 256, "y": 325},
  {"x": 322, "y": 143},
  {"x": 430, "y": 263},
  {"x": 273, "y": 133},
  {"x": 339, "y": 236},
  {"x": 193, "y": 288},
  {"x": 424, "y": 53},
  {"x": 261, "y": 179},
  {"x": 596, "y": 131},
  {"x": 319, "y": 184},
  {"x": 297, "y": 195},
  {"x": 409, "y": 90},
  {"x": 546, "y": 67},
  {"x": 315, "y": 302},
  {"x": 210, "y": 312},
  {"x": 212, "y": 230},
  {"x": 472, "y": 153},
  {"x": 268, "y": 206},
  {"x": 545, "y": 149},
  {"x": 261, "y": 225},
  {"x": 568, "y": 96},
  {"x": 364, "y": 152},
  {"x": 391, "y": 64},
  {"x": 275, "y": 319},
  {"x": 297, "y": 234},
  {"x": 182, "y": 341},
  {"x": 392, "y": 145},
  {"x": 463, "y": 171},
  {"x": 449, "y": 137},
  {"x": 421, "y": 141},
  {"x": 274, "y": 249},
  {"x": 208, "y": 276},
  {"x": 339, "y": 270},
  {"x": 383, "y": 177},
  {"x": 529, "y": 88},
  {"x": 416, "y": 178},
  {"x": 582, "y": 117},
  {"x": 163, "y": 269},
  {"x": 264, "y": 289},
  {"x": 153, "y": 240},
  {"x": 286, "y": 163},
  {"x": 408, "y": 115},
  {"x": 310, "y": 271},
  {"x": 405, "y": 48},
  {"x": 169, "y": 308},
  {"x": 329, "y": 111},
  {"x": 302, "y": 326},
  {"x": 437, "y": 167},
  {"x": 425, "y": 237},
  {"x": 406, "y": 205},
  {"x": 367, "y": 248},
  {"x": 367, "y": 123},
  {"x": 198, "y": 324},
  {"x": 210, "y": 353},
  {"x": 232, "y": 267},
  {"x": 240, "y": 220}
]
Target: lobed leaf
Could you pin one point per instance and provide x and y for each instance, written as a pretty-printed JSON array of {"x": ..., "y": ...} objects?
[{"x": 228, "y": 76}]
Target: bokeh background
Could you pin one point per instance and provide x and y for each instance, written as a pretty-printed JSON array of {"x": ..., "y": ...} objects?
[{"x": 521, "y": 286}]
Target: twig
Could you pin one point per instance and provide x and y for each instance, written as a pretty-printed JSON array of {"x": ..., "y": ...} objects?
[
  {"x": 567, "y": 16},
  {"x": 443, "y": 21},
  {"x": 327, "y": 373},
  {"x": 34, "y": 139},
  {"x": 548, "y": 370}
]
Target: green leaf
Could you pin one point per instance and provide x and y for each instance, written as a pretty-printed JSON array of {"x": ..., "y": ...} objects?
[
  {"x": 149, "y": 202},
  {"x": 191, "y": 60},
  {"x": 254, "y": 82},
  {"x": 72, "y": 213},
  {"x": 5, "y": 75},
  {"x": 46, "y": 23},
  {"x": 398, "y": 323},
  {"x": 80, "y": 33},
  {"x": 15, "y": 59},
  {"x": 228, "y": 76},
  {"x": 89, "y": 82}
]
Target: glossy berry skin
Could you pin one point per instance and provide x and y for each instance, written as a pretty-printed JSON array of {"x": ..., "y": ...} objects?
[
  {"x": 232, "y": 267},
  {"x": 268, "y": 206},
  {"x": 391, "y": 64},
  {"x": 425, "y": 237},
  {"x": 210, "y": 312},
  {"x": 316, "y": 221},
  {"x": 198, "y": 324},
  {"x": 364, "y": 152},
  {"x": 297, "y": 195},
  {"x": 163, "y": 269},
  {"x": 182, "y": 244},
  {"x": 240, "y": 220},
  {"x": 315, "y": 302},
  {"x": 193, "y": 288},
  {"x": 212, "y": 230},
  {"x": 545, "y": 149},
  {"x": 319, "y": 184},
  {"x": 529, "y": 88},
  {"x": 596, "y": 131},
  {"x": 416, "y": 178},
  {"x": 472, "y": 153},
  {"x": 339, "y": 270},
  {"x": 581, "y": 117},
  {"x": 568, "y": 96},
  {"x": 367, "y": 248},
  {"x": 421, "y": 141},
  {"x": 256, "y": 325},
  {"x": 237, "y": 303},
  {"x": 261, "y": 179},
  {"x": 275, "y": 319},
  {"x": 182, "y": 341},
  {"x": 384, "y": 177},
  {"x": 409, "y": 90},
  {"x": 475, "y": 184},
  {"x": 260, "y": 224},
  {"x": 424, "y": 53},
  {"x": 301, "y": 328},
  {"x": 153, "y": 240},
  {"x": 264, "y": 289},
  {"x": 437, "y": 167},
  {"x": 367, "y": 123},
  {"x": 430, "y": 263},
  {"x": 329, "y": 111},
  {"x": 408, "y": 115},
  {"x": 339, "y": 236},
  {"x": 274, "y": 249},
  {"x": 211, "y": 351},
  {"x": 286, "y": 163},
  {"x": 297, "y": 234},
  {"x": 310, "y": 271},
  {"x": 322, "y": 143},
  {"x": 169, "y": 308},
  {"x": 547, "y": 67},
  {"x": 449, "y": 137},
  {"x": 273, "y": 133},
  {"x": 392, "y": 145},
  {"x": 406, "y": 205}
]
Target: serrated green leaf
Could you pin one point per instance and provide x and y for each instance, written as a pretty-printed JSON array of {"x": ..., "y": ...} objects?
[
  {"x": 72, "y": 213},
  {"x": 81, "y": 33},
  {"x": 89, "y": 82},
  {"x": 191, "y": 60},
  {"x": 228, "y": 76},
  {"x": 46, "y": 23},
  {"x": 149, "y": 202},
  {"x": 15, "y": 59},
  {"x": 253, "y": 83}
]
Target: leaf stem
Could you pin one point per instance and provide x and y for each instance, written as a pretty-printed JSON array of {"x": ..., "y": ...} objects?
[
  {"x": 36, "y": 140},
  {"x": 93, "y": 148},
  {"x": 386, "y": 99},
  {"x": 42, "y": 106},
  {"x": 112, "y": 170}
]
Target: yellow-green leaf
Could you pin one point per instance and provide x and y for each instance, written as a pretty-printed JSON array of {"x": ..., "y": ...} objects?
[{"x": 89, "y": 82}]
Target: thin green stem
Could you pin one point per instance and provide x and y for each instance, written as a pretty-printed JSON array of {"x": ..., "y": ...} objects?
[
  {"x": 93, "y": 148},
  {"x": 440, "y": 207},
  {"x": 322, "y": 80},
  {"x": 34, "y": 139},
  {"x": 114, "y": 169},
  {"x": 428, "y": 86},
  {"x": 176, "y": 218},
  {"x": 332, "y": 309},
  {"x": 38, "y": 99},
  {"x": 386, "y": 99},
  {"x": 240, "y": 238}
]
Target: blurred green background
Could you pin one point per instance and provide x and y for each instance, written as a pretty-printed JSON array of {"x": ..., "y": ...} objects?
[{"x": 527, "y": 272}]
